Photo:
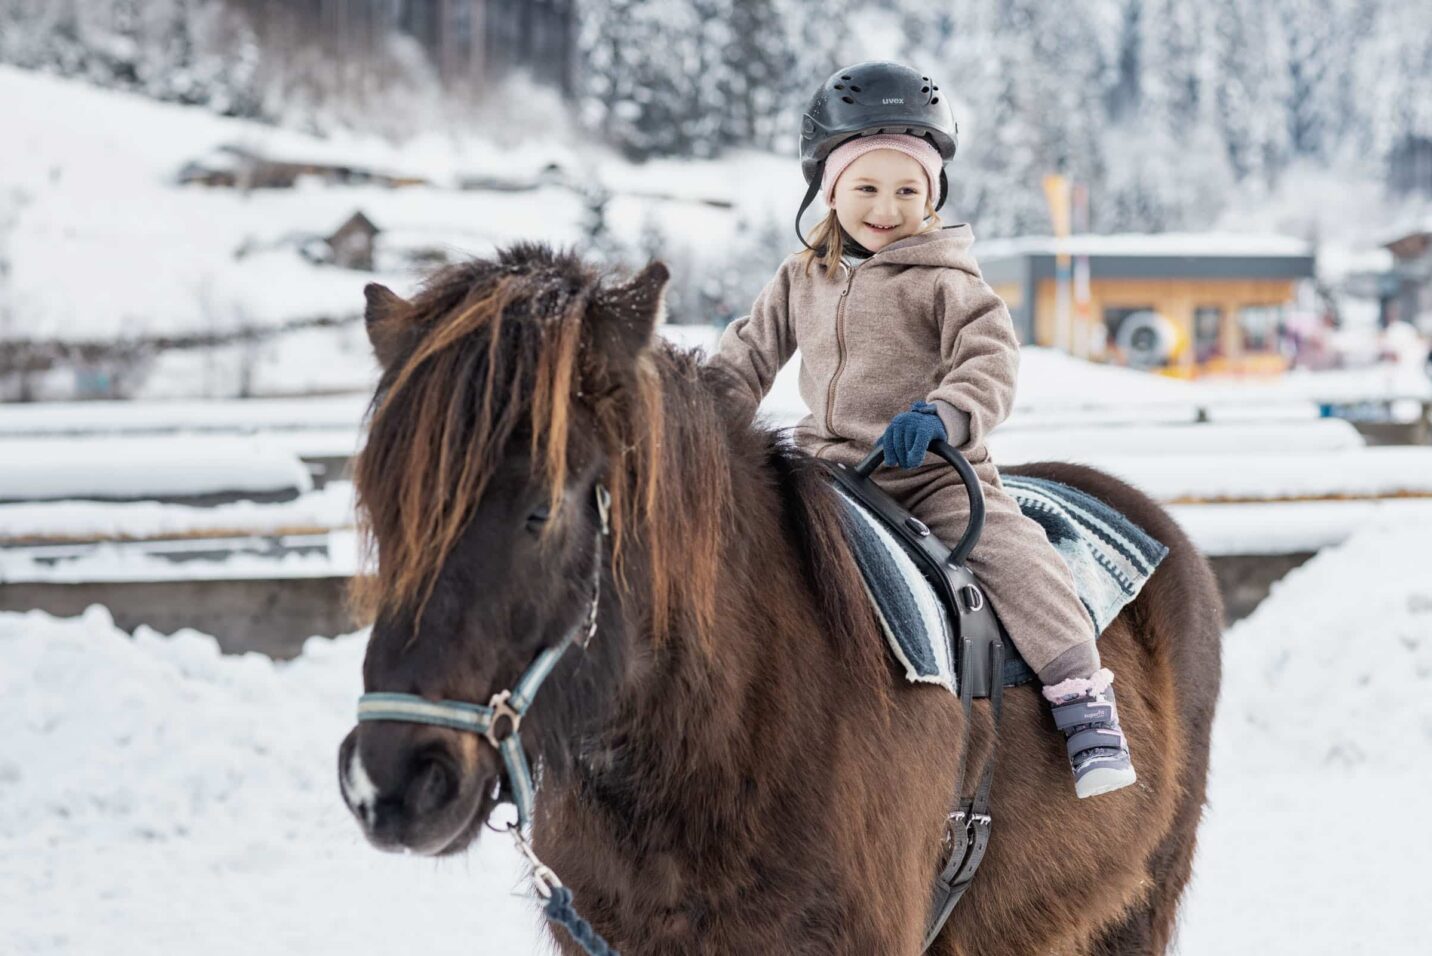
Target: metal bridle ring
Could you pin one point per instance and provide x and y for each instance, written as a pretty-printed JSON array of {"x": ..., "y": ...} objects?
[{"x": 501, "y": 709}]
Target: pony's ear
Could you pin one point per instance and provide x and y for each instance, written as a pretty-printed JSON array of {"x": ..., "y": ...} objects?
[
  {"x": 386, "y": 321},
  {"x": 623, "y": 318}
]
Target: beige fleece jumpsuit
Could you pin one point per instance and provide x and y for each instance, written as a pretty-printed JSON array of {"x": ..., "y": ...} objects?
[{"x": 916, "y": 321}]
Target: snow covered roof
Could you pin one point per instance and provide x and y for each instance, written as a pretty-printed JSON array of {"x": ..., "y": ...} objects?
[{"x": 1148, "y": 244}]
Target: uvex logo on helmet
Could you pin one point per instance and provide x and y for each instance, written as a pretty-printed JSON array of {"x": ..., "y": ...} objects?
[{"x": 892, "y": 99}]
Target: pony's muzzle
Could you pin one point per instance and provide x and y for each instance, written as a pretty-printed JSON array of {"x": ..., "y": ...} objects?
[{"x": 415, "y": 789}]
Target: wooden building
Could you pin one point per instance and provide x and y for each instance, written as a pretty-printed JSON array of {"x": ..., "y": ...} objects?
[
  {"x": 1409, "y": 296},
  {"x": 352, "y": 243},
  {"x": 1184, "y": 305}
]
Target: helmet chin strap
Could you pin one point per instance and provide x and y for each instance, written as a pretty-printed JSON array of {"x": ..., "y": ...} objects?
[{"x": 805, "y": 203}]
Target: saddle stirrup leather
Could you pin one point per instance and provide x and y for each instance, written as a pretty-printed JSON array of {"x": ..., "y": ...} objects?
[{"x": 968, "y": 825}]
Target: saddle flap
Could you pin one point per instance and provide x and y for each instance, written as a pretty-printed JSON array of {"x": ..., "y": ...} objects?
[{"x": 967, "y": 612}]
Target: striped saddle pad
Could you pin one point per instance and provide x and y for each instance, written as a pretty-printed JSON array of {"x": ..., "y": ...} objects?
[{"x": 1110, "y": 558}]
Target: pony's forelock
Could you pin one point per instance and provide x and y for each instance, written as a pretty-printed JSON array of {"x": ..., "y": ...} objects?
[{"x": 506, "y": 352}]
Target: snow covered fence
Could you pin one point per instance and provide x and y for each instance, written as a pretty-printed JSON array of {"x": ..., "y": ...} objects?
[
  {"x": 55, "y": 522},
  {"x": 193, "y": 416},
  {"x": 1361, "y": 473},
  {"x": 197, "y": 468},
  {"x": 1077, "y": 442}
]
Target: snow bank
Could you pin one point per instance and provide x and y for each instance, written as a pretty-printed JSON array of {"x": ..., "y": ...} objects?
[
  {"x": 159, "y": 796},
  {"x": 1334, "y": 668},
  {"x": 1316, "y": 831}
]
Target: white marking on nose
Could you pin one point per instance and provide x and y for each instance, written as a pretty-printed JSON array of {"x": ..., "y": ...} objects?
[{"x": 359, "y": 790}]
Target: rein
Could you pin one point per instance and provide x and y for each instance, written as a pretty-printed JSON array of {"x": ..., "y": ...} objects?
[{"x": 511, "y": 706}]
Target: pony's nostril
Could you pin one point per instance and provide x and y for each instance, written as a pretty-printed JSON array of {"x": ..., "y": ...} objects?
[{"x": 432, "y": 787}]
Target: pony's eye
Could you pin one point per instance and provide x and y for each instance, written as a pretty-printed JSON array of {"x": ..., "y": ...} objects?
[{"x": 539, "y": 516}]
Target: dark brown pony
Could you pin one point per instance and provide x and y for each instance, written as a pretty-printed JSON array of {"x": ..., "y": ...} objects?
[{"x": 733, "y": 765}]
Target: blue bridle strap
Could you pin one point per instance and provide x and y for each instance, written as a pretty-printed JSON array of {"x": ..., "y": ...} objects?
[{"x": 474, "y": 718}]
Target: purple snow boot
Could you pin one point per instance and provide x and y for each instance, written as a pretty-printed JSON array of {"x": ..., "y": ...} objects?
[{"x": 1084, "y": 710}]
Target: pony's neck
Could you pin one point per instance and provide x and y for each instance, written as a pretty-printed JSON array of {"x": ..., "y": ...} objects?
[
  {"x": 708, "y": 698},
  {"x": 718, "y": 784},
  {"x": 722, "y": 733}
]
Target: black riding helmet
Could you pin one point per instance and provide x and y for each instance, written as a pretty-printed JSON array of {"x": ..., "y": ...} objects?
[{"x": 866, "y": 99}]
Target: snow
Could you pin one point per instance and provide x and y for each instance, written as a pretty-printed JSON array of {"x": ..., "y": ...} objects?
[
  {"x": 159, "y": 795},
  {"x": 1288, "y": 527},
  {"x": 1057, "y": 390},
  {"x": 332, "y": 554},
  {"x": 1049, "y": 377},
  {"x": 328, "y": 508},
  {"x": 91, "y": 179},
  {"x": 1013, "y": 445},
  {"x": 1261, "y": 442},
  {"x": 1250, "y": 476},
  {"x": 1241, "y": 244},
  {"x": 114, "y": 468},
  {"x": 1322, "y": 753},
  {"x": 153, "y": 417}
]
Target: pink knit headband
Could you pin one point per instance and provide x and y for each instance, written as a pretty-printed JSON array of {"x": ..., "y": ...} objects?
[{"x": 913, "y": 146}]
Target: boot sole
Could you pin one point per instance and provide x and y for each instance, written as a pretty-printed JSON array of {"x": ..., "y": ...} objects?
[{"x": 1104, "y": 780}]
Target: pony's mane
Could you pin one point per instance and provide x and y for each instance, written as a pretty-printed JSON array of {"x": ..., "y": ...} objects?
[{"x": 501, "y": 352}]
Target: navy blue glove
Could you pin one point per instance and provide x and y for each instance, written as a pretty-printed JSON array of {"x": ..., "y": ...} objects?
[{"x": 909, "y": 434}]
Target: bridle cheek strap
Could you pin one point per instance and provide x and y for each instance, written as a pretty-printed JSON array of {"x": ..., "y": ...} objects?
[{"x": 487, "y": 720}]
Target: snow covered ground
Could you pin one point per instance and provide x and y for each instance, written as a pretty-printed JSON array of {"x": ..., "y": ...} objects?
[
  {"x": 91, "y": 179},
  {"x": 159, "y": 797}
]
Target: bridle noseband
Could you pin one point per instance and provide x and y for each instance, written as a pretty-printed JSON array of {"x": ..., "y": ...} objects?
[{"x": 501, "y": 717}]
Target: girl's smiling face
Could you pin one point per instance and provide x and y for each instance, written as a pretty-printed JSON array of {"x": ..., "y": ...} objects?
[{"x": 881, "y": 198}]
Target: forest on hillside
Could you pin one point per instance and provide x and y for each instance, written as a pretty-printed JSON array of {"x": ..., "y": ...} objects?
[{"x": 1164, "y": 108}]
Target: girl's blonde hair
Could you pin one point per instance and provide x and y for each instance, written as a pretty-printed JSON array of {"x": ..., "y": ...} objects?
[{"x": 827, "y": 239}]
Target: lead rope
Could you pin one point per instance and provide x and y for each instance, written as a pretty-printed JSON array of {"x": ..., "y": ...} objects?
[{"x": 559, "y": 908}]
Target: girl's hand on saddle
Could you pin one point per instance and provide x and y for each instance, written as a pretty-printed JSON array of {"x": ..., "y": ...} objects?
[{"x": 908, "y": 436}]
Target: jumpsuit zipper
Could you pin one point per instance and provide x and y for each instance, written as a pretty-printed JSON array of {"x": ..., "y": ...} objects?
[{"x": 839, "y": 352}]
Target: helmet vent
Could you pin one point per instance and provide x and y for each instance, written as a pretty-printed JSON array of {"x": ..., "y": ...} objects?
[
  {"x": 840, "y": 86},
  {"x": 854, "y": 88},
  {"x": 845, "y": 76},
  {"x": 847, "y": 99},
  {"x": 934, "y": 99}
]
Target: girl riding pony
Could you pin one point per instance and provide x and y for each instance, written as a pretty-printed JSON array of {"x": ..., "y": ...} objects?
[{"x": 902, "y": 342}]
